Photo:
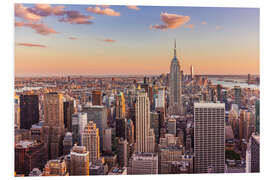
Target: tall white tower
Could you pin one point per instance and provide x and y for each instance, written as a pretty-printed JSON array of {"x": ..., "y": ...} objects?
[{"x": 175, "y": 86}]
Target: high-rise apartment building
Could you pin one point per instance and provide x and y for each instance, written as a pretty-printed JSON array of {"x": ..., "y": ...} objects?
[
  {"x": 120, "y": 110},
  {"x": 209, "y": 137},
  {"x": 79, "y": 161},
  {"x": 29, "y": 110},
  {"x": 67, "y": 143},
  {"x": 175, "y": 86},
  {"x": 91, "y": 140}
]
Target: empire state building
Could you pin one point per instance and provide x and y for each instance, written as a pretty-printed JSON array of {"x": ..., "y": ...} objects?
[{"x": 175, "y": 86}]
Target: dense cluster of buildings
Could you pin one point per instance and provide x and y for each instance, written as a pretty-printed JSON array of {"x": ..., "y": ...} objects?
[{"x": 174, "y": 123}]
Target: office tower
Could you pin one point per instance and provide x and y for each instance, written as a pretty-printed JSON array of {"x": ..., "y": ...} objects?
[
  {"x": 79, "y": 121},
  {"x": 160, "y": 100},
  {"x": 219, "y": 88},
  {"x": 68, "y": 111},
  {"x": 54, "y": 123},
  {"x": 98, "y": 114},
  {"x": 79, "y": 161},
  {"x": 107, "y": 142},
  {"x": 209, "y": 137},
  {"x": 96, "y": 98},
  {"x": 250, "y": 124},
  {"x": 253, "y": 154},
  {"x": 257, "y": 116},
  {"x": 242, "y": 124},
  {"x": 29, "y": 155},
  {"x": 121, "y": 127},
  {"x": 191, "y": 72},
  {"x": 142, "y": 122},
  {"x": 237, "y": 95},
  {"x": 122, "y": 154},
  {"x": 144, "y": 163},
  {"x": 17, "y": 112},
  {"x": 130, "y": 131},
  {"x": 175, "y": 86},
  {"x": 168, "y": 155},
  {"x": 55, "y": 167},
  {"x": 172, "y": 126},
  {"x": 155, "y": 124},
  {"x": 120, "y": 110},
  {"x": 29, "y": 110},
  {"x": 91, "y": 140},
  {"x": 67, "y": 143}
]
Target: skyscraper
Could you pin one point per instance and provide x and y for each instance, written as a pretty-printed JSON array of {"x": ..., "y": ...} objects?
[
  {"x": 54, "y": 123},
  {"x": 191, "y": 72},
  {"x": 175, "y": 86},
  {"x": 96, "y": 98},
  {"x": 90, "y": 139},
  {"x": 79, "y": 121},
  {"x": 209, "y": 137},
  {"x": 172, "y": 126},
  {"x": 253, "y": 154},
  {"x": 120, "y": 110},
  {"x": 237, "y": 95},
  {"x": 68, "y": 111},
  {"x": 29, "y": 110},
  {"x": 142, "y": 122}
]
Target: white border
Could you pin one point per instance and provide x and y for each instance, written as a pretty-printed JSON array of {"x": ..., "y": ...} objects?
[{"x": 7, "y": 76}]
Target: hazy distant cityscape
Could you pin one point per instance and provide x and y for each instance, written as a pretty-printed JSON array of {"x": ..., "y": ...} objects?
[{"x": 176, "y": 122}]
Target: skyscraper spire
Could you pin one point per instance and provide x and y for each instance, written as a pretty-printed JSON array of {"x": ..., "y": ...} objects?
[{"x": 174, "y": 48}]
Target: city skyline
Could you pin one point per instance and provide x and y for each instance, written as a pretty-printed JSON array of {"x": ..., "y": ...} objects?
[{"x": 59, "y": 40}]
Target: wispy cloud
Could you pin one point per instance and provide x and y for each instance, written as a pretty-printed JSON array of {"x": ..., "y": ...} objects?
[
  {"x": 171, "y": 21},
  {"x": 31, "y": 45},
  {"x": 108, "y": 40},
  {"x": 40, "y": 28},
  {"x": 72, "y": 38},
  {"x": 133, "y": 7},
  {"x": 74, "y": 17},
  {"x": 106, "y": 11}
]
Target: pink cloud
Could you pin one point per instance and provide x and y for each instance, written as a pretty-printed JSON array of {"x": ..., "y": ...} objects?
[
  {"x": 190, "y": 26},
  {"x": 74, "y": 17},
  {"x": 171, "y": 21},
  {"x": 38, "y": 27},
  {"x": 31, "y": 45},
  {"x": 45, "y": 10},
  {"x": 105, "y": 11},
  {"x": 204, "y": 22},
  {"x": 133, "y": 7},
  {"x": 108, "y": 40},
  {"x": 24, "y": 13},
  {"x": 72, "y": 38}
]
